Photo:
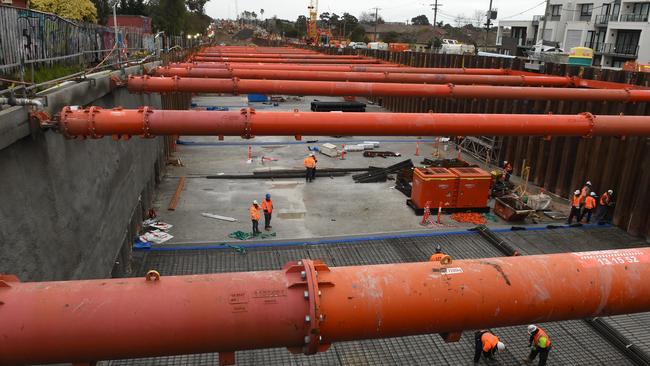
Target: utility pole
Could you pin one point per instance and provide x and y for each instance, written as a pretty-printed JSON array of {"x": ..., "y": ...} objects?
[
  {"x": 487, "y": 24},
  {"x": 544, "y": 22},
  {"x": 376, "y": 21},
  {"x": 434, "y": 7}
]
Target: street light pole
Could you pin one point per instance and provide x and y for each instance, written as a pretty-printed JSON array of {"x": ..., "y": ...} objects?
[{"x": 117, "y": 48}]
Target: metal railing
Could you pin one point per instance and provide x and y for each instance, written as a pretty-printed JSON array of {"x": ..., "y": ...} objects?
[
  {"x": 602, "y": 19},
  {"x": 633, "y": 18},
  {"x": 623, "y": 50}
]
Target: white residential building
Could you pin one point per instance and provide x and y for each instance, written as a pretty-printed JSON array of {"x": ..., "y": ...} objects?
[{"x": 617, "y": 30}]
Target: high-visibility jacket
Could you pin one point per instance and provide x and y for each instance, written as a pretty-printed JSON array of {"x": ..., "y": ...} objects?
[
  {"x": 584, "y": 193},
  {"x": 489, "y": 341},
  {"x": 310, "y": 162},
  {"x": 590, "y": 202},
  {"x": 267, "y": 206},
  {"x": 604, "y": 199},
  {"x": 541, "y": 339},
  {"x": 436, "y": 257},
  {"x": 255, "y": 212},
  {"x": 575, "y": 201}
]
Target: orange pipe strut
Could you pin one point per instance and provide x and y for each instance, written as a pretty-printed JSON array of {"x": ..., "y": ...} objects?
[
  {"x": 96, "y": 122},
  {"x": 375, "y": 77},
  {"x": 278, "y": 55},
  {"x": 307, "y": 306},
  {"x": 287, "y": 60},
  {"x": 311, "y": 67},
  {"x": 147, "y": 84}
]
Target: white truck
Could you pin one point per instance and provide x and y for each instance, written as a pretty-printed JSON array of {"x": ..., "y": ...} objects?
[
  {"x": 383, "y": 46},
  {"x": 453, "y": 47}
]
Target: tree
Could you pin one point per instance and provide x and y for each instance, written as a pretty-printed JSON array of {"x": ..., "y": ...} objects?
[
  {"x": 197, "y": 6},
  {"x": 358, "y": 34},
  {"x": 460, "y": 20},
  {"x": 103, "y": 10},
  {"x": 437, "y": 43},
  {"x": 478, "y": 17},
  {"x": 325, "y": 18},
  {"x": 390, "y": 37},
  {"x": 301, "y": 25},
  {"x": 168, "y": 15},
  {"x": 369, "y": 18},
  {"x": 420, "y": 20},
  {"x": 349, "y": 24},
  {"x": 82, "y": 10},
  {"x": 132, "y": 7}
]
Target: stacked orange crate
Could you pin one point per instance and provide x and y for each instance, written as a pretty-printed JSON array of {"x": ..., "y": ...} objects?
[
  {"x": 437, "y": 185},
  {"x": 473, "y": 187}
]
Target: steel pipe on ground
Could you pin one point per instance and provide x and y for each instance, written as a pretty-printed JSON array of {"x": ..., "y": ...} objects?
[
  {"x": 285, "y": 60},
  {"x": 307, "y": 306},
  {"x": 96, "y": 122},
  {"x": 147, "y": 84},
  {"x": 375, "y": 77}
]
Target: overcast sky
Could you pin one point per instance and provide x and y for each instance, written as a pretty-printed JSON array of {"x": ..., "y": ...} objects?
[{"x": 391, "y": 10}]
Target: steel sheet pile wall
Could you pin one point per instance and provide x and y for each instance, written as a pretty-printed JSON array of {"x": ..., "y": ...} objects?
[{"x": 563, "y": 164}]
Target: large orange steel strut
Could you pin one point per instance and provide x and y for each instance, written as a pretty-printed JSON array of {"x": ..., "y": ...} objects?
[
  {"x": 343, "y": 68},
  {"x": 279, "y": 55},
  {"x": 306, "y": 306},
  {"x": 284, "y": 60},
  {"x": 140, "y": 84},
  {"x": 95, "y": 122},
  {"x": 375, "y": 77}
]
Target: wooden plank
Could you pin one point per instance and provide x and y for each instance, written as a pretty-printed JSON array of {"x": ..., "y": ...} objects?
[{"x": 177, "y": 194}]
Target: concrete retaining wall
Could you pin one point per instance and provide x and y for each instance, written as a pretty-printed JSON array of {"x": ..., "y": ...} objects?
[{"x": 66, "y": 205}]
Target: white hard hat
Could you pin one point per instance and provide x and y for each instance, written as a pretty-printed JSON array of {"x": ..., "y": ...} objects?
[
  {"x": 593, "y": 194},
  {"x": 588, "y": 183},
  {"x": 577, "y": 191},
  {"x": 501, "y": 346},
  {"x": 610, "y": 192},
  {"x": 505, "y": 161},
  {"x": 255, "y": 202},
  {"x": 532, "y": 328},
  {"x": 312, "y": 154}
]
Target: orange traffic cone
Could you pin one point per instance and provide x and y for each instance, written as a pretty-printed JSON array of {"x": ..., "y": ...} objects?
[
  {"x": 343, "y": 152},
  {"x": 417, "y": 148}
]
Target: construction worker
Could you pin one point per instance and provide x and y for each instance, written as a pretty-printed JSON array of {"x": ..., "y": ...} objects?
[
  {"x": 486, "y": 344},
  {"x": 539, "y": 343},
  {"x": 310, "y": 166},
  {"x": 584, "y": 193},
  {"x": 255, "y": 216},
  {"x": 589, "y": 207},
  {"x": 438, "y": 255},
  {"x": 575, "y": 207},
  {"x": 507, "y": 170},
  {"x": 267, "y": 207},
  {"x": 605, "y": 203}
]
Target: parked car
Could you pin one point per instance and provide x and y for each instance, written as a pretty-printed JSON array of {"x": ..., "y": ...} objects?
[{"x": 358, "y": 45}]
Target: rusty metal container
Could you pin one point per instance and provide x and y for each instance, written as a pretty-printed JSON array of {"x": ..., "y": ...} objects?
[
  {"x": 438, "y": 185},
  {"x": 473, "y": 187},
  {"x": 511, "y": 208}
]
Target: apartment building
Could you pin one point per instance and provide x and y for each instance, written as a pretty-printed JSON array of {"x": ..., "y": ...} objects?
[{"x": 617, "y": 30}]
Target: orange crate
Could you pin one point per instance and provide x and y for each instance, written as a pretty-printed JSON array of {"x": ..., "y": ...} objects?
[
  {"x": 473, "y": 187},
  {"x": 437, "y": 185}
]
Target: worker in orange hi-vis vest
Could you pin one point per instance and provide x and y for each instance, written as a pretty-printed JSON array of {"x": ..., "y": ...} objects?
[
  {"x": 267, "y": 207},
  {"x": 589, "y": 207},
  {"x": 438, "y": 255},
  {"x": 575, "y": 207},
  {"x": 310, "y": 166},
  {"x": 254, "y": 211},
  {"x": 539, "y": 343},
  {"x": 606, "y": 201},
  {"x": 486, "y": 344}
]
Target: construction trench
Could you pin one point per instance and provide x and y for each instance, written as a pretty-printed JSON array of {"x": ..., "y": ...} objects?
[{"x": 358, "y": 298}]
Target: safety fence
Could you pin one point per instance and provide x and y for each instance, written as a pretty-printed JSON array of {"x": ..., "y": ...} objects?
[{"x": 33, "y": 39}]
